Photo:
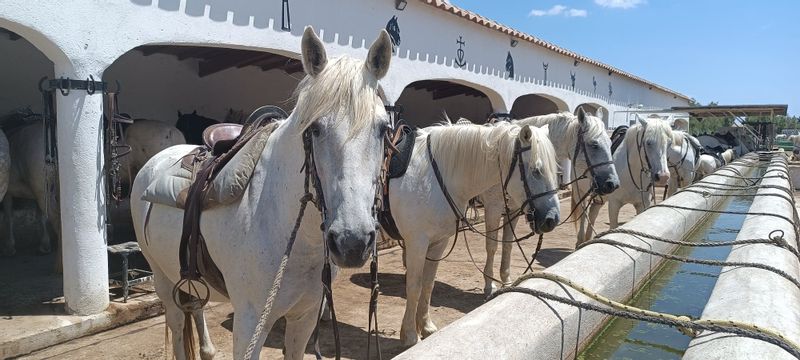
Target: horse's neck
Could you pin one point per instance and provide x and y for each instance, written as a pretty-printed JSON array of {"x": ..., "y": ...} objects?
[
  {"x": 564, "y": 140},
  {"x": 631, "y": 160},
  {"x": 473, "y": 177},
  {"x": 282, "y": 183}
]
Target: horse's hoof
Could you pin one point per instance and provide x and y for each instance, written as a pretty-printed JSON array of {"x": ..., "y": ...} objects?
[
  {"x": 409, "y": 339},
  {"x": 207, "y": 352},
  {"x": 428, "y": 329},
  {"x": 490, "y": 289}
]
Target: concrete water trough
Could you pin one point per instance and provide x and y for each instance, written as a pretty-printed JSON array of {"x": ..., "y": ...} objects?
[{"x": 520, "y": 326}]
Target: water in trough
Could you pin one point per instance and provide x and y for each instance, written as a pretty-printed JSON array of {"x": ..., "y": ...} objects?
[{"x": 676, "y": 288}]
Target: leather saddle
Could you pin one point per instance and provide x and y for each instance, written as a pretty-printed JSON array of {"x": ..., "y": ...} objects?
[
  {"x": 403, "y": 140},
  {"x": 617, "y": 136}
]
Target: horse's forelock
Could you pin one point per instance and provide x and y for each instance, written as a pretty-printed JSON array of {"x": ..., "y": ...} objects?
[{"x": 343, "y": 89}]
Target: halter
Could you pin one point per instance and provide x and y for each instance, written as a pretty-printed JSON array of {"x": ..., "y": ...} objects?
[
  {"x": 677, "y": 166},
  {"x": 529, "y": 196},
  {"x": 581, "y": 145}
]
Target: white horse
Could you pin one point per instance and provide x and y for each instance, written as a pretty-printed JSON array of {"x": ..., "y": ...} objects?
[
  {"x": 471, "y": 159},
  {"x": 706, "y": 166},
  {"x": 338, "y": 102},
  {"x": 26, "y": 178},
  {"x": 683, "y": 161},
  {"x": 582, "y": 139},
  {"x": 146, "y": 139},
  {"x": 728, "y": 155},
  {"x": 641, "y": 160}
]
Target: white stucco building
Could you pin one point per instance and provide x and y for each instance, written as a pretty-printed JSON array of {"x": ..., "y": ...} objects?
[{"x": 213, "y": 55}]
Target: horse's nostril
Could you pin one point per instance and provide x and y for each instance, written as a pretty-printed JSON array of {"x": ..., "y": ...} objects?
[{"x": 332, "y": 247}]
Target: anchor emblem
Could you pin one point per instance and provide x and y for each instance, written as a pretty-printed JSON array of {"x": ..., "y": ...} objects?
[{"x": 460, "y": 61}]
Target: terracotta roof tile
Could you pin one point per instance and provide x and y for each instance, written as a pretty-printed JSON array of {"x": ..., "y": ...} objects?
[{"x": 478, "y": 19}]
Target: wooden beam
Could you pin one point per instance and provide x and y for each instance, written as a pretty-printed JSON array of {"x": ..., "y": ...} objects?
[
  {"x": 151, "y": 49},
  {"x": 259, "y": 57},
  {"x": 293, "y": 66},
  {"x": 220, "y": 63},
  {"x": 274, "y": 63},
  {"x": 455, "y": 91}
]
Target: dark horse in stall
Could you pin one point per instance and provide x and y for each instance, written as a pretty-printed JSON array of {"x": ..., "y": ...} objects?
[{"x": 192, "y": 126}]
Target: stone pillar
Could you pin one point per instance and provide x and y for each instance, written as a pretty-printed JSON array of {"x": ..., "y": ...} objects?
[{"x": 82, "y": 191}]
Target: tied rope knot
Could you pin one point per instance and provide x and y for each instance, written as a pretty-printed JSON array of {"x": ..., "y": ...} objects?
[
  {"x": 778, "y": 238},
  {"x": 685, "y": 330}
]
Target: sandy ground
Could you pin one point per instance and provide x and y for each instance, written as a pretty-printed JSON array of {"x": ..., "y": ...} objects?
[{"x": 458, "y": 290}]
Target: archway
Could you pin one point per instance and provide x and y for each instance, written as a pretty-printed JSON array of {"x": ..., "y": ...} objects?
[
  {"x": 28, "y": 275},
  {"x": 426, "y": 102},
  {"x": 209, "y": 84},
  {"x": 537, "y": 104},
  {"x": 595, "y": 109}
]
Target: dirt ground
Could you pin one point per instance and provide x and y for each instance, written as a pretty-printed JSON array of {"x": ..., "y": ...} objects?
[{"x": 458, "y": 290}]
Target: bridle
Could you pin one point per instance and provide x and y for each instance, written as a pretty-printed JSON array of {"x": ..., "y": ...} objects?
[{"x": 517, "y": 161}]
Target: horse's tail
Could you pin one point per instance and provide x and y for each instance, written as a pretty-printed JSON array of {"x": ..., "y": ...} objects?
[{"x": 188, "y": 335}]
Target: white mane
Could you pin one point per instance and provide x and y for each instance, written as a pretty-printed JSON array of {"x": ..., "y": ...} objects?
[
  {"x": 564, "y": 128},
  {"x": 458, "y": 146},
  {"x": 656, "y": 130},
  {"x": 678, "y": 137},
  {"x": 342, "y": 89}
]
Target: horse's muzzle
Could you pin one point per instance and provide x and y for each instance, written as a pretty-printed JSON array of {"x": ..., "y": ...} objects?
[
  {"x": 548, "y": 222},
  {"x": 661, "y": 179},
  {"x": 348, "y": 249},
  {"x": 606, "y": 187}
]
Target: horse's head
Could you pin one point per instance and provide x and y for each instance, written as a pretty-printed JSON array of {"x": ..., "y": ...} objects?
[
  {"x": 597, "y": 158},
  {"x": 653, "y": 139},
  {"x": 340, "y": 108},
  {"x": 538, "y": 187},
  {"x": 682, "y": 158}
]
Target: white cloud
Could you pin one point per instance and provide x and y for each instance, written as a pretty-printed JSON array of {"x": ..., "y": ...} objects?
[
  {"x": 559, "y": 10},
  {"x": 619, "y": 4},
  {"x": 577, "y": 13}
]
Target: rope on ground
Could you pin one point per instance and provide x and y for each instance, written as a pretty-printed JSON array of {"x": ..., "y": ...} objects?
[
  {"x": 696, "y": 261},
  {"x": 685, "y": 324}
]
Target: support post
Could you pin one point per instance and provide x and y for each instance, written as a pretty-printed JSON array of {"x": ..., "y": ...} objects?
[{"x": 82, "y": 199}]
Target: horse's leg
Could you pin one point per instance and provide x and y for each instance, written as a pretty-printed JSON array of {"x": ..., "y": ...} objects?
[
  {"x": 415, "y": 263},
  {"x": 593, "y": 212},
  {"x": 207, "y": 349},
  {"x": 298, "y": 331},
  {"x": 172, "y": 313},
  {"x": 613, "y": 213},
  {"x": 245, "y": 319},
  {"x": 508, "y": 246},
  {"x": 425, "y": 325},
  {"x": 491, "y": 223},
  {"x": 9, "y": 247}
]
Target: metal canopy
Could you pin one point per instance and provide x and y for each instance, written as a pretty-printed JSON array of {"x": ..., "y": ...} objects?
[{"x": 732, "y": 110}]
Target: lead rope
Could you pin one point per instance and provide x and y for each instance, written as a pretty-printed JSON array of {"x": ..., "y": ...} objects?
[
  {"x": 372, "y": 318},
  {"x": 308, "y": 168}
]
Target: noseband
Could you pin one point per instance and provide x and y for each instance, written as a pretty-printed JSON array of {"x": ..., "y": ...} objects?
[
  {"x": 517, "y": 160},
  {"x": 581, "y": 145}
]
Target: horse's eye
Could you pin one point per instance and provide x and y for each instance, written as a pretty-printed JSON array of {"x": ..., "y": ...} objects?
[{"x": 595, "y": 145}]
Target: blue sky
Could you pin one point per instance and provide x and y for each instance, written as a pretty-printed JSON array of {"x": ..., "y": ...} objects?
[{"x": 729, "y": 51}]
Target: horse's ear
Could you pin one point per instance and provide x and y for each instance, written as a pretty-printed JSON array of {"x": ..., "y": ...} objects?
[
  {"x": 525, "y": 134},
  {"x": 380, "y": 55},
  {"x": 314, "y": 57},
  {"x": 179, "y": 113},
  {"x": 641, "y": 121},
  {"x": 581, "y": 115}
]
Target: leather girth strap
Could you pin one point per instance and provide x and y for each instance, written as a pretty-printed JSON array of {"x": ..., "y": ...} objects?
[
  {"x": 195, "y": 260},
  {"x": 406, "y": 136}
]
